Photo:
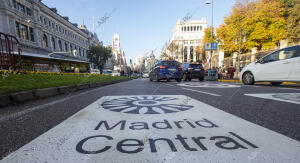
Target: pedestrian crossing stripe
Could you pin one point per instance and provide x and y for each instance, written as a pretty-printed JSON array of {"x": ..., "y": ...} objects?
[
  {"x": 201, "y": 133},
  {"x": 285, "y": 97}
]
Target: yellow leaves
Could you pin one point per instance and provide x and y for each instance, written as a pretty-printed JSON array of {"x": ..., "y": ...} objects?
[{"x": 263, "y": 20}]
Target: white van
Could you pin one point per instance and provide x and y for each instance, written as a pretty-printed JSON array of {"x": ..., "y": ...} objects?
[{"x": 277, "y": 67}]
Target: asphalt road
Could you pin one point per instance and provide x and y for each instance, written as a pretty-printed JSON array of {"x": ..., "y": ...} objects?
[{"x": 20, "y": 125}]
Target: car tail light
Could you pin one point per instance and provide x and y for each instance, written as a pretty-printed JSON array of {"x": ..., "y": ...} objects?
[
  {"x": 180, "y": 67},
  {"x": 189, "y": 69},
  {"x": 162, "y": 67}
]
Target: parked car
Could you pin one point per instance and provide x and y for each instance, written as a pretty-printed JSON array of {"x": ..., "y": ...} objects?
[
  {"x": 145, "y": 75},
  {"x": 95, "y": 71},
  {"x": 276, "y": 67},
  {"x": 193, "y": 71},
  {"x": 107, "y": 72},
  {"x": 166, "y": 70}
]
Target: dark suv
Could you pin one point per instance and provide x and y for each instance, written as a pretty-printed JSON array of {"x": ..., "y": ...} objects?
[
  {"x": 193, "y": 71},
  {"x": 166, "y": 70}
]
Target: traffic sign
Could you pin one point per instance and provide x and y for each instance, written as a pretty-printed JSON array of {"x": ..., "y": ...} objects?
[{"x": 214, "y": 46}]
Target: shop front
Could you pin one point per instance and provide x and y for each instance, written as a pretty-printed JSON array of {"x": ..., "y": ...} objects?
[{"x": 45, "y": 63}]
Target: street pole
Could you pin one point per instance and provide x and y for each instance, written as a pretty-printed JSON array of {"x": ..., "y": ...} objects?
[
  {"x": 239, "y": 56},
  {"x": 212, "y": 29}
]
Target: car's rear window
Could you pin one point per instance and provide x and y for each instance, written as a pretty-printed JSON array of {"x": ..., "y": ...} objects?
[
  {"x": 196, "y": 66},
  {"x": 170, "y": 63}
]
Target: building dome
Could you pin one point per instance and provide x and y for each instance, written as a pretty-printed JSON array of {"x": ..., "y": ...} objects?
[
  {"x": 152, "y": 55},
  {"x": 83, "y": 27}
]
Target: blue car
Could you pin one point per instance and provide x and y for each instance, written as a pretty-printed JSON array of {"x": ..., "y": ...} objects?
[{"x": 166, "y": 70}]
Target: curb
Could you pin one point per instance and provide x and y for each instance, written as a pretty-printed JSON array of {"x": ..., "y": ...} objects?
[
  {"x": 239, "y": 81},
  {"x": 24, "y": 96}
]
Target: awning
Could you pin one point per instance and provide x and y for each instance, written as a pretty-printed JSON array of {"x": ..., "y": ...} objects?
[{"x": 51, "y": 57}]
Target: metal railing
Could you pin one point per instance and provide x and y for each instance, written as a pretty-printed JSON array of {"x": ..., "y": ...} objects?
[{"x": 10, "y": 53}]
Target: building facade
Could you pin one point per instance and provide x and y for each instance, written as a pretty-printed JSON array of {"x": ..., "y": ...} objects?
[
  {"x": 187, "y": 37},
  {"x": 119, "y": 60},
  {"x": 49, "y": 41}
]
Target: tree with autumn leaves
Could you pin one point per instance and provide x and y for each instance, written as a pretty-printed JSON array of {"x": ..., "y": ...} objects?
[{"x": 265, "y": 22}]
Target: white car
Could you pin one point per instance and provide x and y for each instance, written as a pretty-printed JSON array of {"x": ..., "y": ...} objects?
[
  {"x": 279, "y": 66},
  {"x": 95, "y": 71}
]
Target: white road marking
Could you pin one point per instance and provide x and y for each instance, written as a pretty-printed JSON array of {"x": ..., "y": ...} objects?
[
  {"x": 285, "y": 97},
  {"x": 212, "y": 94},
  {"x": 169, "y": 85},
  {"x": 297, "y": 89},
  {"x": 198, "y": 133},
  {"x": 209, "y": 85}
]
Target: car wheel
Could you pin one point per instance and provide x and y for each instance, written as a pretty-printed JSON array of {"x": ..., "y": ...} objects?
[
  {"x": 168, "y": 80},
  {"x": 276, "y": 83},
  {"x": 150, "y": 79},
  {"x": 157, "y": 79},
  {"x": 248, "y": 78},
  {"x": 184, "y": 77},
  {"x": 201, "y": 78},
  {"x": 189, "y": 79},
  {"x": 178, "y": 80}
]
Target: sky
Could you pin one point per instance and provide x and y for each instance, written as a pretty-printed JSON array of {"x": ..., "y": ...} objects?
[{"x": 143, "y": 25}]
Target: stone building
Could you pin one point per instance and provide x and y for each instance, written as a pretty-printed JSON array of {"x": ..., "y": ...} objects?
[
  {"x": 118, "y": 59},
  {"x": 188, "y": 36},
  {"x": 49, "y": 41}
]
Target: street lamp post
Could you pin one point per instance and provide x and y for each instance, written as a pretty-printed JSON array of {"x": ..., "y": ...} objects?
[
  {"x": 212, "y": 29},
  {"x": 241, "y": 35}
]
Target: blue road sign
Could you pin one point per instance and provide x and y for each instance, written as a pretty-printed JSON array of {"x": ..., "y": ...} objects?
[{"x": 214, "y": 46}]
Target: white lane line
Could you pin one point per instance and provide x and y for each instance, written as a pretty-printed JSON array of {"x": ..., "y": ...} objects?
[
  {"x": 169, "y": 85},
  {"x": 212, "y": 94}
]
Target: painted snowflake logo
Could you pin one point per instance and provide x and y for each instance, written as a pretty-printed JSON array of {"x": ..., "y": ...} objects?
[{"x": 145, "y": 105}]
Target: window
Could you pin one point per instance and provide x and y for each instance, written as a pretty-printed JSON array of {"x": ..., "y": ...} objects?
[
  {"x": 45, "y": 22},
  {"x": 290, "y": 52},
  {"x": 22, "y": 31},
  {"x": 31, "y": 32},
  {"x": 79, "y": 51},
  {"x": 60, "y": 45},
  {"x": 21, "y": 7},
  {"x": 56, "y": 27},
  {"x": 53, "y": 25},
  {"x": 66, "y": 46},
  {"x": 14, "y": 3},
  {"x": 184, "y": 28},
  {"x": 41, "y": 19},
  {"x": 49, "y": 23},
  {"x": 194, "y": 28},
  {"x": 272, "y": 57},
  {"x": 53, "y": 43},
  {"x": 71, "y": 48},
  {"x": 198, "y": 27},
  {"x": 45, "y": 41},
  {"x": 192, "y": 54},
  {"x": 185, "y": 54},
  {"x": 28, "y": 11}
]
